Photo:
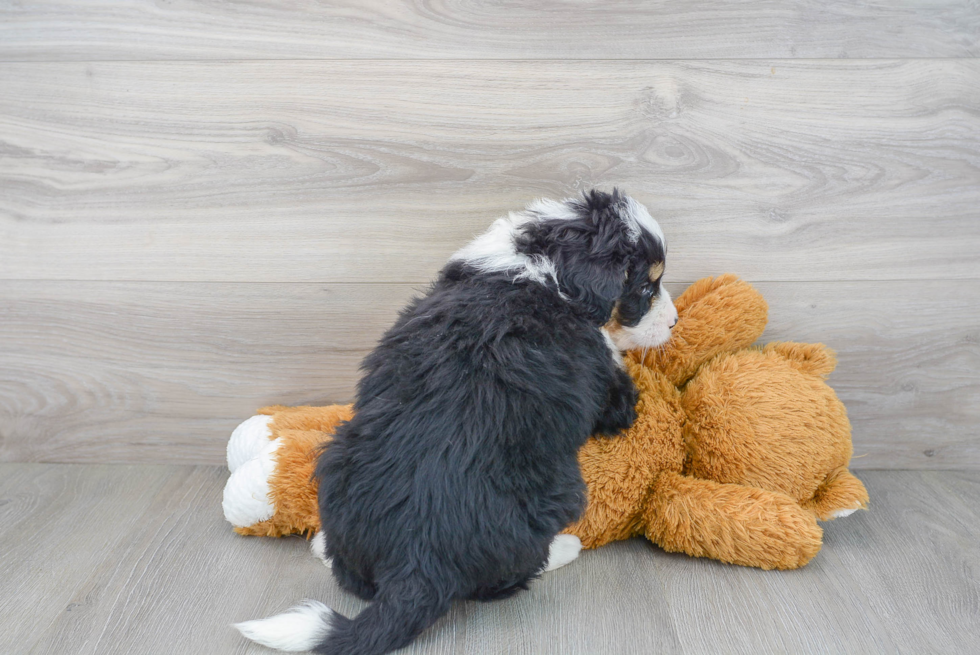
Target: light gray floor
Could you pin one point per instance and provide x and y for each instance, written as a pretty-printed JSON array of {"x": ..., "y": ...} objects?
[{"x": 138, "y": 559}]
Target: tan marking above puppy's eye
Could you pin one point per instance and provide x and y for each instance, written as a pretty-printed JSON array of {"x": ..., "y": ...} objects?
[{"x": 656, "y": 271}]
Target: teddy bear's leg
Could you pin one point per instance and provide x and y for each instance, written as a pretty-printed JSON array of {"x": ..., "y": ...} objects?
[
  {"x": 272, "y": 456},
  {"x": 250, "y": 437},
  {"x": 274, "y": 493},
  {"x": 252, "y": 434},
  {"x": 840, "y": 495},
  {"x": 246, "y": 500},
  {"x": 730, "y": 522},
  {"x": 305, "y": 417}
]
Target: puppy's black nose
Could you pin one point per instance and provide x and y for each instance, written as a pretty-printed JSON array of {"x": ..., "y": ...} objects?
[{"x": 673, "y": 324}]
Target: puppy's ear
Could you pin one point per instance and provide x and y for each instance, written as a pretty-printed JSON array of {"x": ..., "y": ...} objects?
[
  {"x": 592, "y": 270},
  {"x": 590, "y": 252}
]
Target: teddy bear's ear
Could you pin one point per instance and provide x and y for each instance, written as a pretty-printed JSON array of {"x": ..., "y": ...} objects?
[{"x": 812, "y": 358}]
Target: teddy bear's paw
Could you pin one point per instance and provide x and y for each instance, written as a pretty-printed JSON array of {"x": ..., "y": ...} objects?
[
  {"x": 319, "y": 549},
  {"x": 840, "y": 495},
  {"x": 841, "y": 513},
  {"x": 248, "y": 440},
  {"x": 563, "y": 549},
  {"x": 246, "y": 497}
]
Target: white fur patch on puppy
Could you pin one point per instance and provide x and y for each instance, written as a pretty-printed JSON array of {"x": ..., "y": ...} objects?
[
  {"x": 638, "y": 218},
  {"x": 319, "y": 549},
  {"x": 653, "y": 329},
  {"x": 496, "y": 250},
  {"x": 616, "y": 355},
  {"x": 300, "y": 629},
  {"x": 246, "y": 496},
  {"x": 248, "y": 439},
  {"x": 564, "y": 548}
]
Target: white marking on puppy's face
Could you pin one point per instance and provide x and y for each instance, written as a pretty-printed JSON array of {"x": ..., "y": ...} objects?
[{"x": 653, "y": 329}]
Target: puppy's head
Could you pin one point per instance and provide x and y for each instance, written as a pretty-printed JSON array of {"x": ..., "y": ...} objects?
[
  {"x": 603, "y": 251},
  {"x": 608, "y": 254},
  {"x": 644, "y": 313}
]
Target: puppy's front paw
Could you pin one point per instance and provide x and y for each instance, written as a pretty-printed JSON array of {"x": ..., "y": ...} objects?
[
  {"x": 612, "y": 422},
  {"x": 620, "y": 411}
]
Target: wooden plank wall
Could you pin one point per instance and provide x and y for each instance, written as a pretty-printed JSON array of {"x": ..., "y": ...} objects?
[{"x": 208, "y": 207}]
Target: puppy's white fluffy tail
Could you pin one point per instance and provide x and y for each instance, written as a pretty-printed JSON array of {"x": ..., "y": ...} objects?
[
  {"x": 388, "y": 624},
  {"x": 302, "y": 628}
]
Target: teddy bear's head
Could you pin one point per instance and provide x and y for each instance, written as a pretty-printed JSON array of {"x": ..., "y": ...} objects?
[{"x": 715, "y": 316}]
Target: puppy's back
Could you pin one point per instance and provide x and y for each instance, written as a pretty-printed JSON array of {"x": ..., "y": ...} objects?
[{"x": 467, "y": 424}]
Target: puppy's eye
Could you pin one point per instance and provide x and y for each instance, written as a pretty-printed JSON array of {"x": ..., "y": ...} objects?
[{"x": 650, "y": 289}]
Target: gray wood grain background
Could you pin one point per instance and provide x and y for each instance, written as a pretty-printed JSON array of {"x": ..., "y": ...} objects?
[
  {"x": 543, "y": 29},
  {"x": 207, "y": 207}
]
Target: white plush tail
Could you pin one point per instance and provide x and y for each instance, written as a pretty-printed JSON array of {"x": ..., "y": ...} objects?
[{"x": 300, "y": 629}]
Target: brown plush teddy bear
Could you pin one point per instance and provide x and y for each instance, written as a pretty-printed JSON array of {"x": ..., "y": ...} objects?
[{"x": 736, "y": 452}]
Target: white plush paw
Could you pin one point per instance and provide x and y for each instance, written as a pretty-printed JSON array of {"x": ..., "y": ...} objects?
[
  {"x": 246, "y": 498},
  {"x": 841, "y": 513},
  {"x": 564, "y": 548},
  {"x": 248, "y": 440},
  {"x": 319, "y": 548}
]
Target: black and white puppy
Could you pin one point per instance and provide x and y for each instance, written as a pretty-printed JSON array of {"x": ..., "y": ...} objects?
[{"x": 459, "y": 467}]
